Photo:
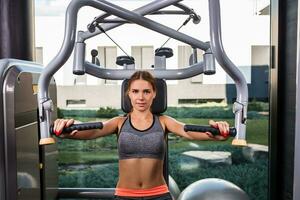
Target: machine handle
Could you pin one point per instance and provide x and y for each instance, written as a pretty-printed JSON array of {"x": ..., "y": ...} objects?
[
  {"x": 79, "y": 127},
  {"x": 212, "y": 130}
]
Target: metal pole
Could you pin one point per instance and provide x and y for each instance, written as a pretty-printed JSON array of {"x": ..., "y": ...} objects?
[
  {"x": 121, "y": 74},
  {"x": 240, "y": 106},
  {"x": 296, "y": 185}
]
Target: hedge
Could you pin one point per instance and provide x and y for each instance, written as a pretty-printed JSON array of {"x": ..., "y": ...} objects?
[{"x": 176, "y": 112}]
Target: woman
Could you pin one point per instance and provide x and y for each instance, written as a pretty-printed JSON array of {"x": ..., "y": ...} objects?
[{"x": 141, "y": 141}]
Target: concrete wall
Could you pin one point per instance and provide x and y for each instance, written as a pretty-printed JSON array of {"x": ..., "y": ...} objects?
[{"x": 110, "y": 95}]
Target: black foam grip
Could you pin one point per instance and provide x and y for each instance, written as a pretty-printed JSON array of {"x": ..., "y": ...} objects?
[
  {"x": 212, "y": 130},
  {"x": 80, "y": 127}
]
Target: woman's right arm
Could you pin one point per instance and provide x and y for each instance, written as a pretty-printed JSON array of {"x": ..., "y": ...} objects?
[{"x": 109, "y": 127}]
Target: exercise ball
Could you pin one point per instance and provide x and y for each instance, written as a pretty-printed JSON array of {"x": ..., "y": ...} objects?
[
  {"x": 173, "y": 187},
  {"x": 213, "y": 189}
]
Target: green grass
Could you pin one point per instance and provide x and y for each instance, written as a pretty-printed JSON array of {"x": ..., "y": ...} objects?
[{"x": 69, "y": 157}]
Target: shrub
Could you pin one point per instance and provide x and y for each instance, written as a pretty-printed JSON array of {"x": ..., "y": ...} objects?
[
  {"x": 258, "y": 106},
  {"x": 60, "y": 113},
  {"x": 224, "y": 112},
  {"x": 99, "y": 144},
  {"x": 107, "y": 112},
  {"x": 212, "y": 112},
  {"x": 103, "y": 177},
  {"x": 79, "y": 113},
  {"x": 192, "y": 112}
]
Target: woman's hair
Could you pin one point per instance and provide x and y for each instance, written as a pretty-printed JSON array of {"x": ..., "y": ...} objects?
[{"x": 142, "y": 75}]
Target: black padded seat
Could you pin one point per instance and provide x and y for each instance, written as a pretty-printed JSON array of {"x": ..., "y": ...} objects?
[{"x": 159, "y": 104}]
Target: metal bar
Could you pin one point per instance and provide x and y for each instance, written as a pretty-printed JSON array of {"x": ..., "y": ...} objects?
[
  {"x": 147, "y": 23},
  {"x": 6, "y": 63},
  {"x": 275, "y": 146},
  {"x": 185, "y": 11},
  {"x": 239, "y": 79},
  {"x": 144, "y": 10},
  {"x": 86, "y": 193},
  {"x": 163, "y": 12},
  {"x": 62, "y": 56},
  {"x": 183, "y": 7},
  {"x": 121, "y": 74},
  {"x": 190, "y": 11},
  {"x": 102, "y": 17},
  {"x": 115, "y": 21},
  {"x": 169, "y": 12},
  {"x": 296, "y": 183}
]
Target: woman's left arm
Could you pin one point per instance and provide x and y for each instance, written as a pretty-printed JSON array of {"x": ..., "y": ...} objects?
[{"x": 176, "y": 127}]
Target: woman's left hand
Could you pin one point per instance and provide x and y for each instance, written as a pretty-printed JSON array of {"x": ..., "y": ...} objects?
[{"x": 223, "y": 127}]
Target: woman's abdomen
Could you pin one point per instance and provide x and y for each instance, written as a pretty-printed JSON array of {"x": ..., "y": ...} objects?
[{"x": 140, "y": 173}]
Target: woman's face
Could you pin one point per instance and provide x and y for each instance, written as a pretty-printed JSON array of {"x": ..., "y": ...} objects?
[{"x": 141, "y": 95}]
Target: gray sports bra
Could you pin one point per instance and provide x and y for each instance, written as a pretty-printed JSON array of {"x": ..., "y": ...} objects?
[{"x": 134, "y": 143}]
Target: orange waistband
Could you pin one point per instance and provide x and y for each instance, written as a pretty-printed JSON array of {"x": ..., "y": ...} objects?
[{"x": 142, "y": 192}]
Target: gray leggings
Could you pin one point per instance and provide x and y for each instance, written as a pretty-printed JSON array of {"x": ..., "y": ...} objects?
[{"x": 166, "y": 196}]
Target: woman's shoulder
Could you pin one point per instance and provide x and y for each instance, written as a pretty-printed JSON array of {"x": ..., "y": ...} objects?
[
  {"x": 164, "y": 118},
  {"x": 115, "y": 120},
  {"x": 120, "y": 119},
  {"x": 120, "y": 122}
]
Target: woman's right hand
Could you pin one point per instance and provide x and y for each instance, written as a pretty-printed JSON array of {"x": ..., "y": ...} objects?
[{"x": 60, "y": 124}]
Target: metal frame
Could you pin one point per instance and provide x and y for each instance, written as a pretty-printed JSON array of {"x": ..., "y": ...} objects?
[
  {"x": 144, "y": 10},
  {"x": 120, "y": 74},
  {"x": 296, "y": 183},
  {"x": 215, "y": 49},
  {"x": 240, "y": 106},
  {"x": 274, "y": 168},
  {"x": 45, "y": 106},
  {"x": 184, "y": 11},
  {"x": 284, "y": 162},
  {"x": 10, "y": 69},
  {"x": 86, "y": 192}
]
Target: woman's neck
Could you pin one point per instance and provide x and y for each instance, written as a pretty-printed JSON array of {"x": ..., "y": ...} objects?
[{"x": 141, "y": 115}]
